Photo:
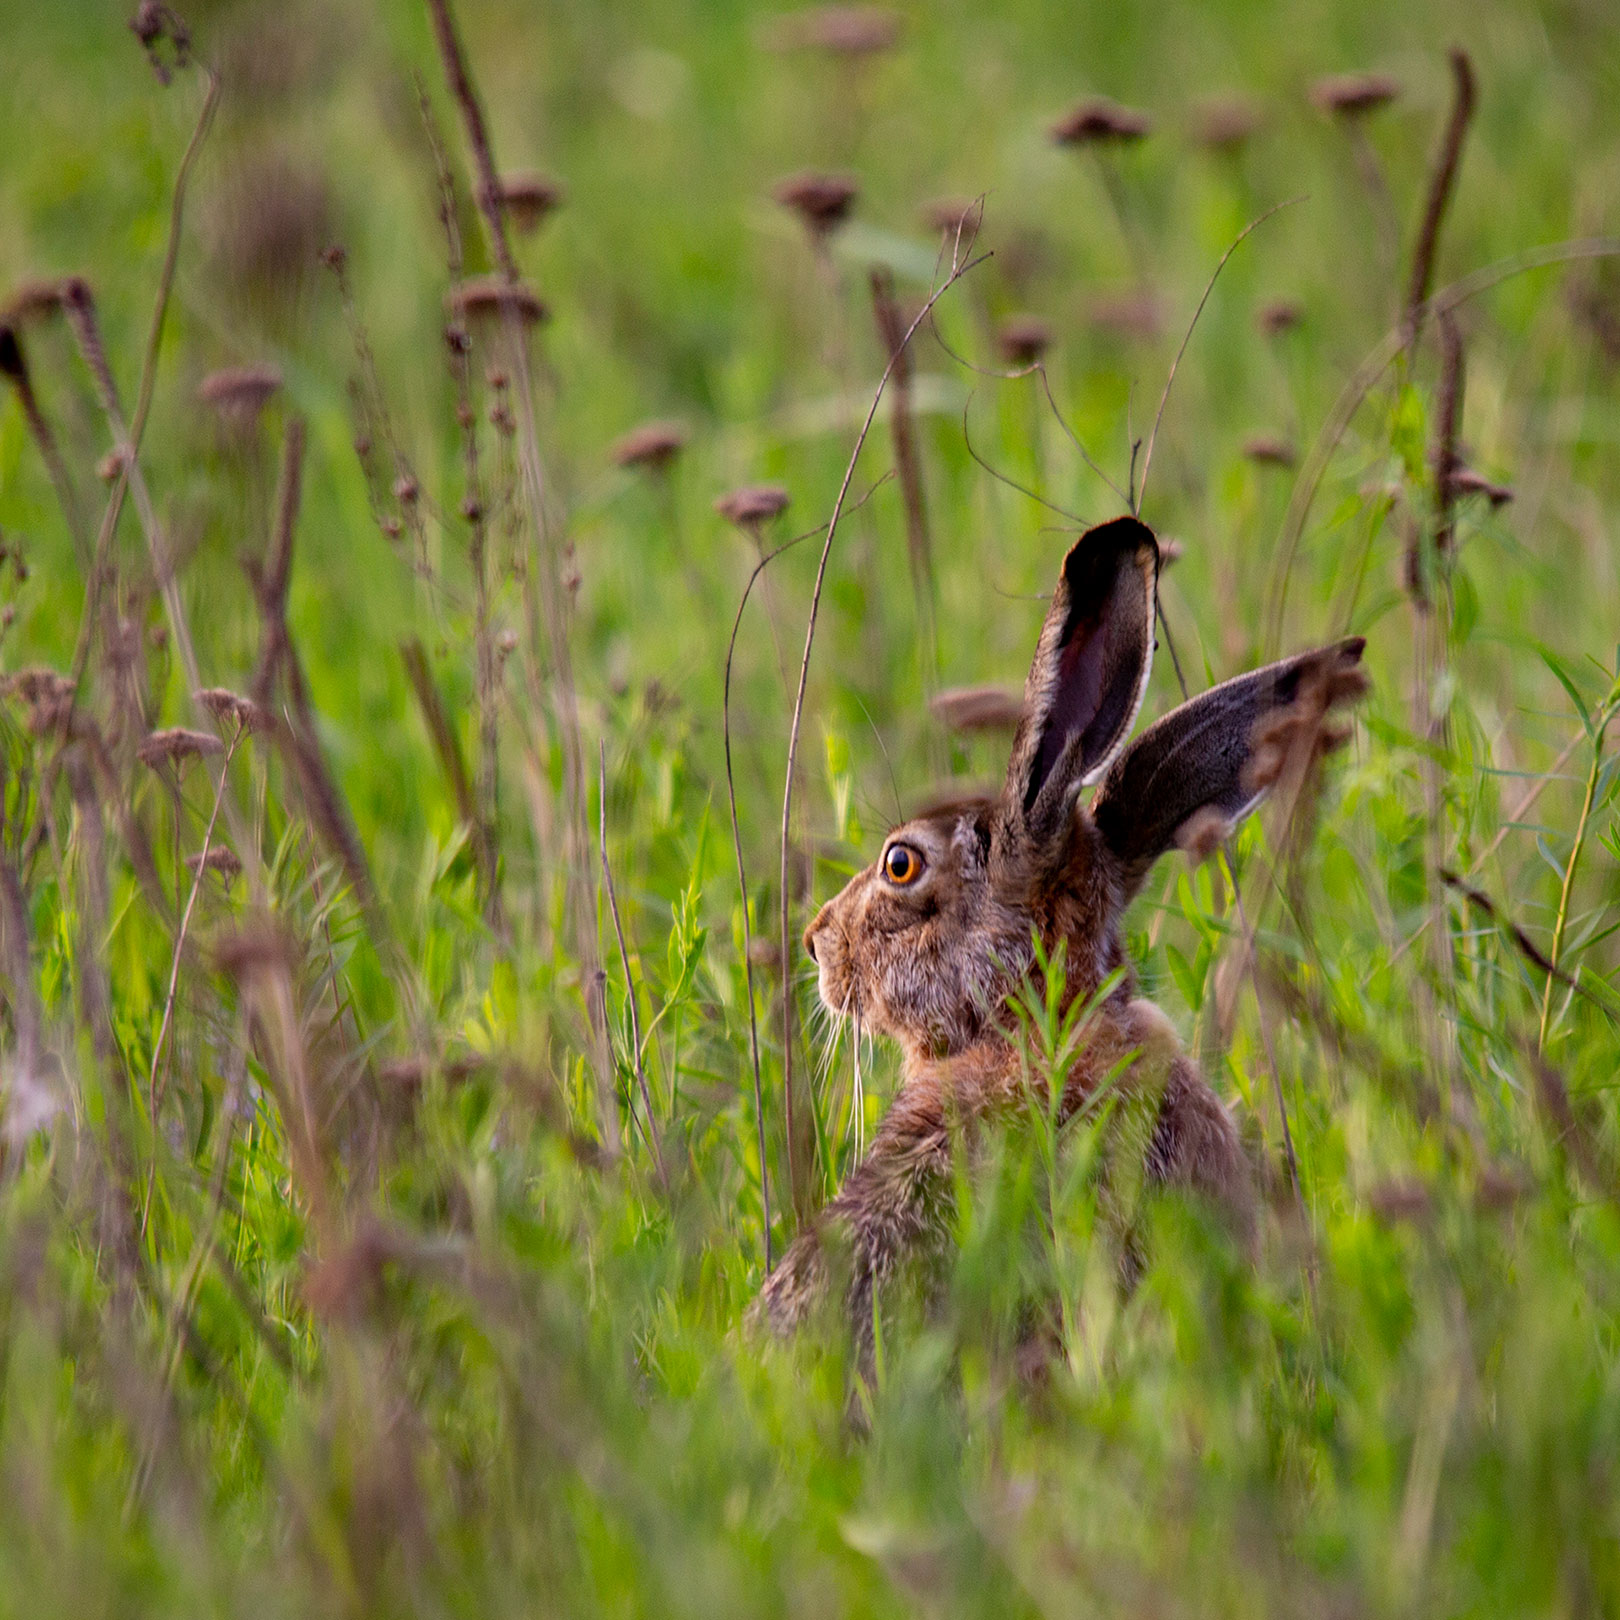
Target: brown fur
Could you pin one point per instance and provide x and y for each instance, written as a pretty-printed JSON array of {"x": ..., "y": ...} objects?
[{"x": 931, "y": 962}]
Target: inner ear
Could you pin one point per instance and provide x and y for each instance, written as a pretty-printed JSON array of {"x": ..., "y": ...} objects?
[{"x": 1091, "y": 665}]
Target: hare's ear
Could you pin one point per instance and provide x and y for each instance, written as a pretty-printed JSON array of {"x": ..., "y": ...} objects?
[
  {"x": 1090, "y": 671},
  {"x": 1197, "y": 757}
]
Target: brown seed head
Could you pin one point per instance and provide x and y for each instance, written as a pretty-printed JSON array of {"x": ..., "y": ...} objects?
[
  {"x": 1202, "y": 833},
  {"x": 1279, "y": 316},
  {"x": 232, "y": 710},
  {"x": 487, "y": 297},
  {"x": 1023, "y": 339},
  {"x": 822, "y": 201},
  {"x": 257, "y": 950},
  {"x": 1170, "y": 551},
  {"x": 954, "y": 216},
  {"x": 32, "y": 301},
  {"x": 1268, "y": 450},
  {"x": 239, "y": 393},
  {"x": 1465, "y": 481},
  {"x": 979, "y": 708},
  {"x": 753, "y": 504},
  {"x": 153, "y": 24},
  {"x": 1101, "y": 122},
  {"x": 1297, "y": 737},
  {"x": 839, "y": 30},
  {"x": 268, "y": 222},
  {"x": 1138, "y": 316},
  {"x": 1225, "y": 123},
  {"x": 222, "y": 861},
  {"x": 1400, "y": 1200},
  {"x": 174, "y": 744},
  {"x": 530, "y": 199},
  {"x": 39, "y": 685},
  {"x": 653, "y": 445},
  {"x": 1354, "y": 95}
]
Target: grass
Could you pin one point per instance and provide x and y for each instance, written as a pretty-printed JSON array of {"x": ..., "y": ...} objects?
[{"x": 389, "y": 1307}]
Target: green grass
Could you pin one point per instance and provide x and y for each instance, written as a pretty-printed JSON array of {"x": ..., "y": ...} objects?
[{"x": 365, "y": 1321}]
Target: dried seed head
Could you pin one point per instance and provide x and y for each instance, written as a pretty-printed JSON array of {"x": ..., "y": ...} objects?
[
  {"x": 1296, "y": 737},
  {"x": 239, "y": 393},
  {"x": 1170, "y": 551},
  {"x": 456, "y": 338},
  {"x": 1595, "y": 303},
  {"x": 1465, "y": 481},
  {"x": 49, "y": 696},
  {"x": 1101, "y": 122},
  {"x": 822, "y": 201},
  {"x": 653, "y": 445},
  {"x": 506, "y": 643},
  {"x": 154, "y": 24},
  {"x": 38, "y": 685},
  {"x": 335, "y": 257},
  {"x": 174, "y": 744},
  {"x": 487, "y": 297},
  {"x": 406, "y": 490},
  {"x": 1267, "y": 450},
  {"x": 1225, "y": 123},
  {"x": 978, "y": 708},
  {"x": 1023, "y": 339},
  {"x": 955, "y": 216},
  {"x": 1137, "y": 316},
  {"x": 220, "y": 861},
  {"x": 257, "y": 950},
  {"x": 1399, "y": 1200},
  {"x": 753, "y": 504},
  {"x": 839, "y": 30},
  {"x": 233, "y": 710},
  {"x": 530, "y": 199},
  {"x": 1500, "y": 1187},
  {"x": 267, "y": 224},
  {"x": 32, "y": 301},
  {"x": 1202, "y": 833},
  {"x": 1354, "y": 95},
  {"x": 1279, "y": 316}
]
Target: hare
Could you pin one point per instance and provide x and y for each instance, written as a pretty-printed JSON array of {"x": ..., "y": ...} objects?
[{"x": 927, "y": 943}]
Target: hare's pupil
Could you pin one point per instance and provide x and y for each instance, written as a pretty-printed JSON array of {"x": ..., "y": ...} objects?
[{"x": 900, "y": 863}]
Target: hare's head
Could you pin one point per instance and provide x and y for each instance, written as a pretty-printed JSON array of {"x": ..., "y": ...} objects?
[{"x": 925, "y": 944}]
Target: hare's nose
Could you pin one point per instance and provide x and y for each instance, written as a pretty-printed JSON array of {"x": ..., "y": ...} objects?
[{"x": 810, "y": 941}]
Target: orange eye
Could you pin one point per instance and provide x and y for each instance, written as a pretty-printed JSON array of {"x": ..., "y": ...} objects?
[{"x": 902, "y": 864}]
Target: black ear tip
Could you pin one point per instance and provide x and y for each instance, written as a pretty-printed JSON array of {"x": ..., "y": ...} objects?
[
  {"x": 1352, "y": 647},
  {"x": 1104, "y": 544}
]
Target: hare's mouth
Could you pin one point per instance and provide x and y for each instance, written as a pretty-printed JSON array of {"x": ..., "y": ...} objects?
[{"x": 835, "y": 982}]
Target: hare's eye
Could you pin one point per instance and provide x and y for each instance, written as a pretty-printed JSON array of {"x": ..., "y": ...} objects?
[{"x": 902, "y": 864}]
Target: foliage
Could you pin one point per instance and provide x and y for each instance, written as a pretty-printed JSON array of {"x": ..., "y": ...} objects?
[{"x": 376, "y": 1228}]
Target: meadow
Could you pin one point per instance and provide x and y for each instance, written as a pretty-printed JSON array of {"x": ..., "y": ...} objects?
[{"x": 421, "y": 435}]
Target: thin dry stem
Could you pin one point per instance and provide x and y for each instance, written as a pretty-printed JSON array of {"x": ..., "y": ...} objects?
[
  {"x": 1192, "y": 325},
  {"x": 797, "y": 1181},
  {"x": 1442, "y": 182},
  {"x": 1365, "y": 377}
]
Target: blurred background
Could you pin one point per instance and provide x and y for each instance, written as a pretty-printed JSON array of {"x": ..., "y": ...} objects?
[{"x": 381, "y": 1192}]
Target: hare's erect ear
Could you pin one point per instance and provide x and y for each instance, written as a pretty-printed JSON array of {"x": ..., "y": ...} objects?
[
  {"x": 1090, "y": 671},
  {"x": 1197, "y": 757}
]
